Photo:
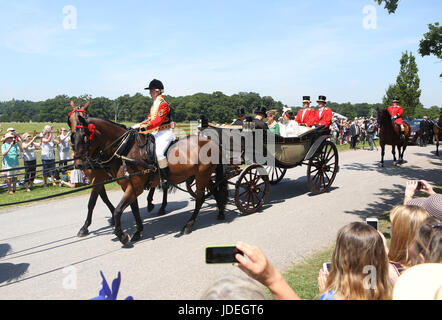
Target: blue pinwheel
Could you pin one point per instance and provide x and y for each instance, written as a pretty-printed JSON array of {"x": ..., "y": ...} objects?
[{"x": 106, "y": 293}]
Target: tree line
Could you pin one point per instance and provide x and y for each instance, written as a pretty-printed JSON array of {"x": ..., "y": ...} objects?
[{"x": 219, "y": 108}]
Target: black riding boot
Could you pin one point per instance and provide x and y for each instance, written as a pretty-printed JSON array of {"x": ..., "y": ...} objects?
[{"x": 164, "y": 175}]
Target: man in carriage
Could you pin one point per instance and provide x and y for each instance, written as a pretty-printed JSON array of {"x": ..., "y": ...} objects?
[
  {"x": 241, "y": 113},
  {"x": 307, "y": 116},
  {"x": 396, "y": 112},
  {"x": 158, "y": 123},
  {"x": 323, "y": 114}
]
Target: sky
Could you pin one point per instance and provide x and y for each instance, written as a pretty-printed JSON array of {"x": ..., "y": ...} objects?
[{"x": 347, "y": 50}]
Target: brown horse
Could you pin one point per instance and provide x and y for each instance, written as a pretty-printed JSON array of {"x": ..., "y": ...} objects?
[
  {"x": 94, "y": 175},
  {"x": 438, "y": 133},
  {"x": 389, "y": 134},
  {"x": 95, "y": 140}
]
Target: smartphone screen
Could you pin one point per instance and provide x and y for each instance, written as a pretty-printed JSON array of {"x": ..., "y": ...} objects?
[
  {"x": 373, "y": 223},
  {"x": 327, "y": 266},
  {"x": 222, "y": 254}
]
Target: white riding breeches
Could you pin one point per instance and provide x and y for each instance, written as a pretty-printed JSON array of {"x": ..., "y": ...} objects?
[{"x": 163, "y": 139}]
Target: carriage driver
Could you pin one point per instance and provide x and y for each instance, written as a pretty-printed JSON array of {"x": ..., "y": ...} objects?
[
  {"x": 158, "y": 123},
  {"x": 396, "y": 112}
]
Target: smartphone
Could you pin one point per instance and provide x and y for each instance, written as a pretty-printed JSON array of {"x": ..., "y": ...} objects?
[
  {"x": 420, "y": 186},
  {"x": 222, "y": 254},
  {"x": 326, "y": 266},
  {"x": 372, "y": 222}
]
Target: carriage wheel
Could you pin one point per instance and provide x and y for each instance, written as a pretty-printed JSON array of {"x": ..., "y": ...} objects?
[
  {"x": 191, "y": 186},
  {"x": 322, "y": 168},
  {"x": 251, "y": 189},
  {"x": 275, "y": 174}
]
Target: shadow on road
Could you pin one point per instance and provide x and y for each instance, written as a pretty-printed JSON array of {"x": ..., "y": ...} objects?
[
  {"x": 9, "y": 271},
  {"x": 390, "y": 197}
]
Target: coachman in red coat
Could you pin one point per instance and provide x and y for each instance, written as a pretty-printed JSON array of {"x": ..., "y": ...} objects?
[
  {"x": 323, "y": 114},
  {"x": 306, "y": 116}
]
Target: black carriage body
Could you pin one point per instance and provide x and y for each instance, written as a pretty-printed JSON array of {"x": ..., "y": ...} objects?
[{"x": 281, "y": 152}]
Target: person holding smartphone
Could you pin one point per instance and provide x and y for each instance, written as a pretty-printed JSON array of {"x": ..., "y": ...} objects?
[
  {"x": 10, "y": 151},
  {"x": 256, "y": 265},
  {"x": 30, "y": 160},
  {"x": 433, "y": 203}
]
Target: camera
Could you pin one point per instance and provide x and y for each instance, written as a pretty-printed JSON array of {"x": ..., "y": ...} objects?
[
  {"x": 222, "y": 254},
  {"x": 420, "y": 186}
]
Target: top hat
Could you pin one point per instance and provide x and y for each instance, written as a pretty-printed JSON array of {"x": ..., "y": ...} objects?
[
  {"x": 261, "y": 110},
  {"x": 155, "y": 84},
  {"x": 240, "y": 111},
  {"x": 322, "y": 99},
  {"x": 306, "y": 99}
]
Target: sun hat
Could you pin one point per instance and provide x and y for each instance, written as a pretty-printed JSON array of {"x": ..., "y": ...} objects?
[
  {"x": 285, "y": 109},
  {"x": 8, "y": 135},
  {"x": 421, "y": 282},
  {"x": 433, "y": 205}
]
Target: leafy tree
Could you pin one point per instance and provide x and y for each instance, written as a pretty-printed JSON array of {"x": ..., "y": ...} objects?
[
  {"x": 406, "y": 88},
  {"x": 432, "y": 42},
  {"x": 390, "y": 5}
]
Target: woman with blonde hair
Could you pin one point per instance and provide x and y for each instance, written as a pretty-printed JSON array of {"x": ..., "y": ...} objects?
[
  {"x": 360, "y": 269},
  {"x": 405, "y": 223}
]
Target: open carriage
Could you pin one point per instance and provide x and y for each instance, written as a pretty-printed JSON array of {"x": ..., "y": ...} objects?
[{"x": 244, "y": 160}]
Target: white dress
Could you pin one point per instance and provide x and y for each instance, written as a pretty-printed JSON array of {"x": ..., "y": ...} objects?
[{"x": 292, "y": 129}]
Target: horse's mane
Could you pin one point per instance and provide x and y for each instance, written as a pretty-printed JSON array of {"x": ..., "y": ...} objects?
[
  {"x": 114, "y": 123},
  {"x": 384, "y": 116}
]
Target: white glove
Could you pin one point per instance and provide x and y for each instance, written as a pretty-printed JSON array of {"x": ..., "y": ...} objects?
[{"x": 137, "y": 126}]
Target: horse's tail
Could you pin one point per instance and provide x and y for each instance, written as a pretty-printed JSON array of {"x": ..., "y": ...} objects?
[{"x": 221, "y": 191}]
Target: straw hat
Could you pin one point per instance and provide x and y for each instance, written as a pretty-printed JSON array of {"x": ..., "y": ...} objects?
[{"x": 421, "y": 282}]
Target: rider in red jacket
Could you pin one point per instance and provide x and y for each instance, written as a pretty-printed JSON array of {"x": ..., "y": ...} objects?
[{"x": 396, "y": 112}]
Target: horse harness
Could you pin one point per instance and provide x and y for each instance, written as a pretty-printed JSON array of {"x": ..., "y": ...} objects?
[{"x": 125, "y": 143}]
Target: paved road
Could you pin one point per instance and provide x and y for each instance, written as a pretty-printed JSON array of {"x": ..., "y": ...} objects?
[{"x": 41, "y": 257}]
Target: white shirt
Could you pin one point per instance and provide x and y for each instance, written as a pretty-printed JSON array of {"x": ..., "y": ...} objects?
[
  {"x": 47, "y": 150},
  {"x": 292, "y": 129}
]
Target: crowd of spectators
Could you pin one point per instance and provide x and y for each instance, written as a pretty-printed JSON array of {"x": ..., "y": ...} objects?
[
  {"x": 25, "y": 147},
  {"x": 409, "y": 268}
]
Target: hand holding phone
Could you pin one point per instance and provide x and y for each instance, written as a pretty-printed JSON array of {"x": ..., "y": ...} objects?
[{"x": 222, "y": 254}]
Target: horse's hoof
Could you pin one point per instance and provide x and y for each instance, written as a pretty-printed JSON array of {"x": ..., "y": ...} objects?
[
  {"x": 136, "y": 237},
  {"x": 187, "y": 230},
  {"x": 162, "y": 212},
  {"x": 83, "y": 233},
  {"x": 221, "y": 217},
  {"x": 150, "y": 207},
  {"x": 124, "y": 239},
  {"x": 395, "y": 163}
]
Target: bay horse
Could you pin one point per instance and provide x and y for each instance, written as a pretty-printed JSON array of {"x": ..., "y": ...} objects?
[
  {"x": 389, "y": 134},
  {"x": 95, "y": 176},
  {"x": 98, "y": 175},
  {"x": 94, "y": 142},
  {"x": 438, "y": 133}
]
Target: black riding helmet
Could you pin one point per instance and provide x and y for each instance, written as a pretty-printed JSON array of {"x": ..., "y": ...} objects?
[{"x": 155, "y": 84}]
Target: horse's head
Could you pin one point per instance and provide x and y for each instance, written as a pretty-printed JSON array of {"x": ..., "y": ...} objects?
[
  {"x": 83, "y": 133},
  {"x": 383, "y": 117}
]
